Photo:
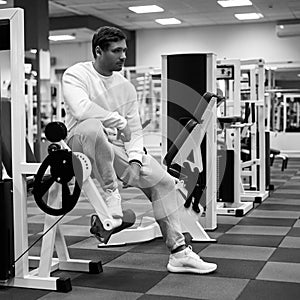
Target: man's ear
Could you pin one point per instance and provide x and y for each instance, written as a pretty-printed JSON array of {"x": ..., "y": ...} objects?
[{"x": 98, "y": 50}]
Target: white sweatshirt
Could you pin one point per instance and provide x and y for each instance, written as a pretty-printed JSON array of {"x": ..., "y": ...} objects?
[{"x": 111, "y": 99}]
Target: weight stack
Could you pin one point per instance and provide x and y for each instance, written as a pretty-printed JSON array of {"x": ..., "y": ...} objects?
[
  {"x": 225, "y": 175},
  {"x": 6, "y": 231}
]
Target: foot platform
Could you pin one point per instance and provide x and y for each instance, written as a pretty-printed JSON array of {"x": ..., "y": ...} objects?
[{"x": 103, "y": 235}]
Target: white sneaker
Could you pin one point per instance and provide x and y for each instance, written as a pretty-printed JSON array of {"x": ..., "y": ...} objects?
[
  {"x": 113, "y": 202},
  {"x": 187, "y": 261}
]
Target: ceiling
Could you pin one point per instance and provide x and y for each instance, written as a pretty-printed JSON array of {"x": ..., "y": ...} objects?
[{"x": 190, "y": 12}]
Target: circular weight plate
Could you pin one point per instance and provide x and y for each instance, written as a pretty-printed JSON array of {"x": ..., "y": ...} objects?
[
  {"x": 55, "y": 131},
  {"x": 64, "y": 165}
]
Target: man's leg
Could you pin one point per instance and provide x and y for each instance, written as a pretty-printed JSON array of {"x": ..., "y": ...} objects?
[
  {"x": 159, "y": 186},
  {"x": 89, "y": 138}
]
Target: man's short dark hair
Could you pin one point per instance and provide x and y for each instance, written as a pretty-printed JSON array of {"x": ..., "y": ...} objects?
[{"x": 104, "y": 36}]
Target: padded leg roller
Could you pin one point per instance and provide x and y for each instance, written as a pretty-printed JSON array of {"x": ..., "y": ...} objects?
[{"x": 103, "y": 235}]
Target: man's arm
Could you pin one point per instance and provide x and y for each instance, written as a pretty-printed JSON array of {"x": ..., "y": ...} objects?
[{"x": 134, "y": 148}]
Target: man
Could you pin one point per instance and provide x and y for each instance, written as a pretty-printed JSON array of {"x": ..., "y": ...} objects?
[{"x": 100, "y": 100}]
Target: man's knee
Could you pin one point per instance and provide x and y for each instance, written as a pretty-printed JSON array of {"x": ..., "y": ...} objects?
[
  {"x": 88, "y": 127},
  {"x": 89, "y": 131},
  {"x": 168, "y": 181},
  {"x": 165, "y": 181}
]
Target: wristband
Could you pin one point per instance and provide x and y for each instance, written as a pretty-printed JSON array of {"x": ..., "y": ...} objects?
[{"x": 137, "y": 162}]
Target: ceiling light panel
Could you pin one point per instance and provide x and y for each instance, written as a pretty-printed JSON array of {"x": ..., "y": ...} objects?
[
  {"x": 248, "y": 16},
  {"x": 146, "y": 9},
  {"x": 168, "y": 21},
  {"x": 62, "y": 37},
  {"x": 234, "y": 3}
]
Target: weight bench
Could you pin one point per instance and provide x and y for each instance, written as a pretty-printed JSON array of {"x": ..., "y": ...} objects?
[{"x": 274, "y": 153}]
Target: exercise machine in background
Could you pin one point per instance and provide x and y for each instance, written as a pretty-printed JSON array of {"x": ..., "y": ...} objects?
[
  {"x": 229, "y": 141},
  {"x": 255, "y": 150},
  {"x": 185, "y": 113},
  {"x": 285, "y": 124}
]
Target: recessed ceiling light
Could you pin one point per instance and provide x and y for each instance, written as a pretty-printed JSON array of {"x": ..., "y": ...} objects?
[
  {"x": 145, "y": 9},
  {"x": 62, "y": 37},
  {"x": 281, "y": 26},
  {"x": 3, "y": 2},
  {"x": 233, "y": 3},
  {"x": 168, "y": 21},
  {"x": 298, "y": 75},
  {"x": 249, "y": 16}
]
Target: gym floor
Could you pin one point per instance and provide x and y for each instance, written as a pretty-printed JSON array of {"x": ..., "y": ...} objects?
[{"x": 258, "y": 255}]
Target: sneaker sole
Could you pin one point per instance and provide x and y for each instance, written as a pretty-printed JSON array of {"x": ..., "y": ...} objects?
[{"x": 173, "y": 269}]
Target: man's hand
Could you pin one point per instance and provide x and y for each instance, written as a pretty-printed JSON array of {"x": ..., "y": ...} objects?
[
  {"x": 124, "y": 134},
  {"x": 131, "y": 175}
]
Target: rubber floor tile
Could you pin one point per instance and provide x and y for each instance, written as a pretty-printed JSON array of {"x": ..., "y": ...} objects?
[
  {"x": 79, "y": 293},
  {"x": 92, "y": 243},
  {"x": 158, "y": 246},
  {"x": 283, "y": 201},
  {"x": 155, "y": 246},
  {"x": 129, "y": 280},
  {"x": 263, "y": 230},
  {"x": 35, "y": 228},
  {"x": 286, "y": 255},
  {"x": 155, "y": 262},
  {"x": 236, "y": 268},
  {"x": 267, "y": 222},
  {"x": 199, "y": 287},
  {"x": 280, "y": 207},
  {"x": 223, "y": 227},
  {"x": 279, "y": 271},
  {"x": 250, "y": 240},
  {"x": 296, "y": 186},
  {"x": 66, "y": 274},
  {"x": 227, "y": 220},
  {"x": 238, "y": 252},
  {"x": 273, "y": 214},
  {"x": 34, "y": 211},
  {"x": 94, "y": 255},
  {"x": 287, "y": 191},
  {"x": 71, "y": 240},
  {"x": 269, "y": 290},
  {"x": 293, "y": 183},
  {"x": 161, "y": 297},
  {"x": 8, "y": 293},
  {"x": 297, "y": 224},
  {"x": 284, "y": 195},
  {"x": 294, "y": 232},
  {"x": 290, "y": 242}
]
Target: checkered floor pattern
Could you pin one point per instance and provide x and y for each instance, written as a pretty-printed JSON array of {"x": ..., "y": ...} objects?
[{"x": 258, "y": 255}]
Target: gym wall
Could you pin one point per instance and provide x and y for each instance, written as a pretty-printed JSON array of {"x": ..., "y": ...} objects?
[{"x": 245, "y": 41}]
